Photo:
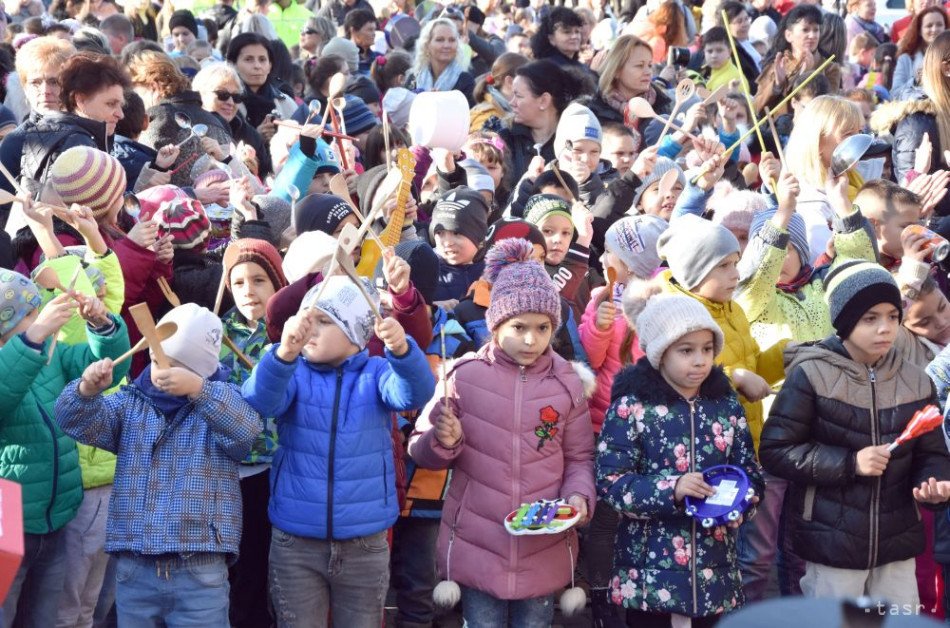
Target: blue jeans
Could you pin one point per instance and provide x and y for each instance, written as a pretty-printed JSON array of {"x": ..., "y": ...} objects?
[
  {"x": 413, "y": 569},
  {"x": 172, "y": 593},
  {"x": 38, "y": 584},
  {"x": 309, "y": 577},
  {"x": 480, "y": 610}
]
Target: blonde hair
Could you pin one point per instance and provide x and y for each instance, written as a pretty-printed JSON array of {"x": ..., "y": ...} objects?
[
  {"x": 213, "y": 74},
  {"x": 935, "y": 84},
  {"x": 824, "y": 116},
  {"x": 42, "y": 53},
  {"x": 425, "y": 38},
  {"x": 618, "y": 55}
]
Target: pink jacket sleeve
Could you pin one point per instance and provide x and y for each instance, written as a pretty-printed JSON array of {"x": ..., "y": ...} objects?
[
  {"x": 595, "y": 341},
  {"x": 424, "y": 448},
  {"x": 578, "y": 446}
]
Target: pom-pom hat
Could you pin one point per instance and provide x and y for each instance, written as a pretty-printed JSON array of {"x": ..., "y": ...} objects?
[{"x": 520, "y": 285}]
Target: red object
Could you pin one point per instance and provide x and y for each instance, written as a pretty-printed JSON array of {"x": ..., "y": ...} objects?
[
  {"x": 925, "y": 420},
  {"x": 11, "y": 534},
  {"x": 339, "y": 140}
]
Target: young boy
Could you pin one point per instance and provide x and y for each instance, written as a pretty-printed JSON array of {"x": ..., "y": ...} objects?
[
  {"x": 852, "y": 502},
  {"x": 577, "y": 145},
  {"x": 567, "y": 258},
  {"x": 718, "y": 68},
  {"x": 35, "y": 452},
  {"x": 648, "y": 199},
  {"x": 889, "y": 208},
  {"x": 179, "y": 434},
  {"x": 620, "y": 146},
  {"x": 459, "y": 224},
  {"x": 333, "y": 491}
]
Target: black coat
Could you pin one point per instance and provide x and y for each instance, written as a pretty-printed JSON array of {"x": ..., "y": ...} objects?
[
  {"x": 521, "y": 147},
  {"x": 612, "y": 204},
  {"x": 49, "y": 136},
  {"x": 830, "y": 408}
]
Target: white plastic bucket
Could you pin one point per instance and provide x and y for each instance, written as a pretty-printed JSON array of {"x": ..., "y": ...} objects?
[{"x": 439, "y": 120}]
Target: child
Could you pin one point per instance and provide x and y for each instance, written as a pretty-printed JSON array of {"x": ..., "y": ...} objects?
[
  {"x": 648, "y": 199},
  {"x": 35, "y": 452},
  {"x": 889, "y": 208},
  {"x": 567, "y": 258},
  {"x": 513, "y": 391},
  {"x": 253, "y": 277},
  {"x": 703, "y": 260},
  {"x": 718, "y": 68},
  {"x": 459, "y": 224},
  {"x": 852, "y": 502},
  {"x": 333, "y": 488},
  {"x": 649, "y": 459},
  {"x": 577, "y": 145},
  {"x": 185, "y": 427},
  {"x": 620, "y": 147}
]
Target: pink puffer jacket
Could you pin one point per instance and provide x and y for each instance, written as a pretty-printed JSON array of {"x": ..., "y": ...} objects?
[
  {"x": 526, "y": 436},
  {"x": 603, "y": 354}
]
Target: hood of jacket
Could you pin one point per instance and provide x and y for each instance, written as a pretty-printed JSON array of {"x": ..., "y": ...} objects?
[
  {"x": 648, "y": 385},
  {"x": 886, "y": 116},
  {"x": 832, "y": 352}
]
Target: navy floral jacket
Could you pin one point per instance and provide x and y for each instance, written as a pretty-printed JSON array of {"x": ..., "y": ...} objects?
[{"x": 665, "y": 561}]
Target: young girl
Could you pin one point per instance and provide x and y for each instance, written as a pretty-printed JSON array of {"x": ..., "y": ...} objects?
[
  {"x": 673, "y": 415},
  {"x": 514, "y": 428}
]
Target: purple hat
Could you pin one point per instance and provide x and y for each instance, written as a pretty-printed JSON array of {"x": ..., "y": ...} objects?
[{"x": 519, "y": 284}]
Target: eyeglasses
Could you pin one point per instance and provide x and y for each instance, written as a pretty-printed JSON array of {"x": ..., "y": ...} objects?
[
  {"x": 225, "y": 96},
  {"x": 309, "y": 31}
]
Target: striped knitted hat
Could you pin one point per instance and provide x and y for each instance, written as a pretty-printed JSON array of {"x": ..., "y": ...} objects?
[
  {"x": 853, "y": 288},
  {"x": 88, "y": 177},
  {"x": 185, "y": 220}
]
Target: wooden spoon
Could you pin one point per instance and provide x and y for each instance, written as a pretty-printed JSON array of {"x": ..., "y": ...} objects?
[
  {"x": 611, "y": 280},
  {"x": 230, "y": 257},
  {"x": 164, "y": 331},
  {"x": 146, "y": 324},
  {"x": 642, "y": 109},
  {"x": 339, "y": 188},
  {"x": 337, "y": 85},
  {"x": 716, "y": 95},
  {"x": 684, "y": 91}
]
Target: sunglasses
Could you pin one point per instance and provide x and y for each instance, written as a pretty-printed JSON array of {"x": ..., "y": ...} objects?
[
  {"x": 225, "y": 96},
  {"x": 309, "y": 31}
]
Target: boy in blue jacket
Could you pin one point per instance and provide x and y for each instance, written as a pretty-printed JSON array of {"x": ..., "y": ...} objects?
[
  {"x": 179, "y": 434},
  {"x": 333, "y": 490}
]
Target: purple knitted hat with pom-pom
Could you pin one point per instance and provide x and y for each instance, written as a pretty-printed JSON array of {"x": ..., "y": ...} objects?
[{"x": 519, "y": 284}]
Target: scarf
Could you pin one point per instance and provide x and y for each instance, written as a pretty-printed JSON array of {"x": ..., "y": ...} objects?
[
  {"x": 445, "y": 82},
  {"x": 167, "y": 404},
  {"x": 873, "y": 28},
  {"x": 796, "y": 284},
  {"x": 499, "y": 99}
]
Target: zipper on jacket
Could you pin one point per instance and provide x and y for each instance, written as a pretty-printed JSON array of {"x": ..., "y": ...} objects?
[
  {"x": 515, "y": 474},
  {"x": 52, "y": 497},
  {"x": 334, "y": 422},
  {"x": 876, "y": 491},
  {"x": 524, "y": 376},
  {"x": 692, "y": 469}
]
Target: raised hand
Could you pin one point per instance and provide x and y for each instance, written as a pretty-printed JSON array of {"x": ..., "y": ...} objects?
[
  {"x": 296, "y": 334},
  {"x": 96, "y": 378},
  {"x": 393, "y": 336},
  {"x": 448, "y": 429}
]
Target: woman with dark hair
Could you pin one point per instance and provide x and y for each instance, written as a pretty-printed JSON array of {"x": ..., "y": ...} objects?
[
  {"x": 559, "y": 39},
  {"x": 540, "y": 92},
  {"x": 923, "y": 30},
  {"x": 794, "y": 52},
  {"x": 493, "y": 91},
  {"x": 92, "y": 93},
  {"x": 738, "y": 22},
  {"x": 253, "y": 57}
]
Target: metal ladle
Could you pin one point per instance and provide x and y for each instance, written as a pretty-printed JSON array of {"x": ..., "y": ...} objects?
[
  {"x": 849, "y": 152},
  {"x": 313, "y": 110}
]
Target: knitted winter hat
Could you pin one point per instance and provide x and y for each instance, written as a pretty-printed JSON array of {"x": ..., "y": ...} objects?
[
  {"x": 463, "y": 211},
  {"x": 185, "y": 220},
  {"x": 663, "y": 165},
  {"x": 367, "y": 184},
  {"x": 693, "y": 246},
  {"x": 325, "y": 158},
  {"x": 734, "y": 209},
  {"x": 345, "y": 49},
  {"x": 365, "y": 89},
  {"x": 276, "y": 211},
  {"x": 183, "y": 17},
  {"x": 477, "y": 176},
  {"x": 345, "y": 304},
  {"x": 423, "y": 267},
  {"x": 357, "y": 117},
  {"x": 89, "y": 177},
  {"x": 397, "y": 102},
  {"x": 197, "y": 342},
  {"x": 577, "y": 123},
  {"x": 310, "y": 252},
  {"x": 797, "y": 233},
  {"x": 513, "y": 228},
  {"x": 540, "y": 207},
  {"x": 519, "y": 284},
  {"x": 665, "y": 318},
  {"x": 208, "y": 177},
  {"x": 18, "y": 297},
  {"x": 853, "y": 288},
  {"x": 261, "y": 253},
  {"x": 633, "y": 239},
  {"x": 152, "y": 198},
  {"x": 320, "y": 212}
]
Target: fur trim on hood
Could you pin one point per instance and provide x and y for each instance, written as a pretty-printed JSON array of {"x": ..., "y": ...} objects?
[
  {"x": 887, "y": 115},
  {"x": 588, "y": 378},
  {"x": 646, "y": 383}
]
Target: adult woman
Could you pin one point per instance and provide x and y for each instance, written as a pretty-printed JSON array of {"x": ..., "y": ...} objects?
[
  {"x": 493, "y": 91},
  {"x": 559, "y": 38},
  {"x": 222, "y": 92},
  {"x": 167, "y": 95},
  {"x": 440, "y": 64},
  {"x": 251, "y": 54},
  {"x": 91, "y": 93},
  {"x": 861, "y": 14},
  {"x": 899, "y": 27},
  {"x": 663, "y": 28},
  {"x": 540, "y": 92},
  {"x": 794, "y": 52},
  {"x": 316, "y": 32},
  {"x": 627, "y": 73},
  {"x": 923, "y": 30},
  {"x": 739, "y": 21},
  {"x": 819, "y": 128}
]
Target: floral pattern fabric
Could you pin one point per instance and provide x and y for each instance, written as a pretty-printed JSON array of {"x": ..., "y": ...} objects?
[{"x": 643, "y": 449}]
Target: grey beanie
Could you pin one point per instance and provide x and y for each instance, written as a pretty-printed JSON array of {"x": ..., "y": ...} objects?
[
  {"x": 576, "y": 123},
  {"x": 853, "y": 288},
  {"x": 663, "y": 165},
  {"x": 346, "y": 49},
  {"x": 666, "y": 318},
  {"x": 477, "y": 176},
  {"x": 633, "y": 239},
  {"x": 797, "y": 233},
  {"x": 693, "y": 246}
]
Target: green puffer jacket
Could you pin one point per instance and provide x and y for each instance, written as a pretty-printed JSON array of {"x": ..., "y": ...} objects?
[{"x": 34, "y": 452}]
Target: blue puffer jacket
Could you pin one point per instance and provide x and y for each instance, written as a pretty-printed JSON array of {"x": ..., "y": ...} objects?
[
  {"x": 454, "y": 281},
  {"x": 334, "y": 476}
]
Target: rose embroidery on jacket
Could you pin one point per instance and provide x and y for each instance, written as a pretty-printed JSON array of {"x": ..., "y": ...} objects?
[{"x": 548, "y": 428}]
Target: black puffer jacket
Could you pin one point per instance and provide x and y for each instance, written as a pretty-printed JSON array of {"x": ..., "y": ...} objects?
[
  {"x": 615, "y": 201},
  {"x": 45, "y": 138},
  {"x": 830, "y": 408},
  {"x": 520, "y": 143}
]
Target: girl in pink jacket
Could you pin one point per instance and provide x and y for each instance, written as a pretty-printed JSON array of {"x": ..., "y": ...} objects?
[
  {"x": 610, "y": 342},
  {"x": 513, "y": 424}
]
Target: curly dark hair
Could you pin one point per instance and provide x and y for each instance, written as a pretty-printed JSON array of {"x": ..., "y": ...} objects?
[{"x": 87, "y": 73}]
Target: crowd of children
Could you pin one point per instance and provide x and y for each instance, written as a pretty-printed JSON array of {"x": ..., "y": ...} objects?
[{"x": 272, "y": 355}]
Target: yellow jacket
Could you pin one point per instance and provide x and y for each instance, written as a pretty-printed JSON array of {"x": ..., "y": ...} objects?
[{"x": 740, "y": 349}]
